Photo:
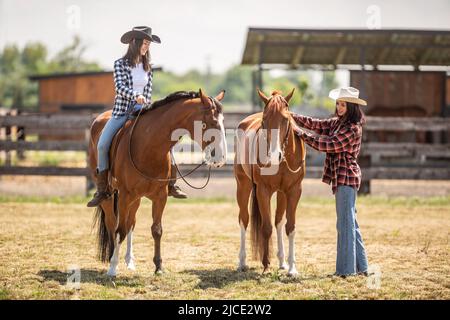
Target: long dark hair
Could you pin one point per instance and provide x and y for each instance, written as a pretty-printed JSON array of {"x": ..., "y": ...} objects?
[
  {"x": 353, "y": 115},
  {"x": 133, "y": 53}
]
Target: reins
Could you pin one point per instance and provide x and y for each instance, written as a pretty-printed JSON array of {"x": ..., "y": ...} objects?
[{"x": 174, "y": 162}]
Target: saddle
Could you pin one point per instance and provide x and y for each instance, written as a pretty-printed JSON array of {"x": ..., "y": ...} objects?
[{"x": 114, "y": 145}]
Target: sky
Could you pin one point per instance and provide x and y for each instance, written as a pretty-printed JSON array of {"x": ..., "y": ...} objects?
[{"x": 199, "y": 33}]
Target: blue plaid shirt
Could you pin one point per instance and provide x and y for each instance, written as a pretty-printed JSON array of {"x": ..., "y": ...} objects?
[{"x": 123, "y": 83}]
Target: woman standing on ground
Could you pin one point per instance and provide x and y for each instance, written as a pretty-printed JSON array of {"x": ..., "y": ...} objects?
[{"x": 340, "y": 137}]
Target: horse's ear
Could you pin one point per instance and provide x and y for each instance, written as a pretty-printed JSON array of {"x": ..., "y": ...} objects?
[
  {"x": 220, "y": 96},
  {"x": 204, "y": 98},
  {"x": 262, "y": 96},
  {"x": 289, "y": 96}
]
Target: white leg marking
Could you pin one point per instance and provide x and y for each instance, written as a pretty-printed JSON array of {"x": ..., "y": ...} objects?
[
  {"x": 129, "y": 256},
  {"x": 114, "y": 262},
  {"x": 280, "y": 254},
  {"x": 242, "y": 253},
  {"x": 292, "y": 269}
]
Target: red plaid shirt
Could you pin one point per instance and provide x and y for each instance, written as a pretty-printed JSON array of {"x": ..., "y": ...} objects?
[{"x": 341, "y": 142}]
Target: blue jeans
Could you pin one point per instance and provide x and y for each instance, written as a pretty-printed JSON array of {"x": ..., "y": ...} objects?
[
  {"x": 351, "y": 254},
  {"x": 104, "y": 143}
]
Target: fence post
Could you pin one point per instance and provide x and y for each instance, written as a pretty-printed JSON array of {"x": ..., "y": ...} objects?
[
  {"x": 89, "y": 183},
  {"x": 8, "y": 132},
  {"x": 364, "y": 162}
]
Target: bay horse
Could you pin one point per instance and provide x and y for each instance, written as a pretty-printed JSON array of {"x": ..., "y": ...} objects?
[
  {"x": 286, "y": 153},
  {"x": 141, "y": 166}
]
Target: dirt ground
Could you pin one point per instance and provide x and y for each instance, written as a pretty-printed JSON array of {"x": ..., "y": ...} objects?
[
  {"x": 407, "y": 242},
  {"x": 218, "y": 187}
]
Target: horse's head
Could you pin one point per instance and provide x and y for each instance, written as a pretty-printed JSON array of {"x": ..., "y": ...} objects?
[
  {"x": 213, "y": 130},
  {"x": 275, "y": 121}
]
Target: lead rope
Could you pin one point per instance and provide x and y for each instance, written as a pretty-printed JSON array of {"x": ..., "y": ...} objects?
[{"x": 284, "y": 155}]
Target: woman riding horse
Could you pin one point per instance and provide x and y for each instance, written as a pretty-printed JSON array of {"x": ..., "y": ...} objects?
[
  {"x": 340, "y": 138},
  {"x": 133, "y": 77}
]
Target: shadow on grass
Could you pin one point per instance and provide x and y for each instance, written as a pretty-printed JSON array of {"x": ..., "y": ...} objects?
[
  {"x": 90, "y": 276},
  {"x": 219, "y": 278}
]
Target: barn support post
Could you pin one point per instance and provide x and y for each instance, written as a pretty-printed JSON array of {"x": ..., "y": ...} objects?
[
  {"x": 365, "y": 163},
  {"x": 8, "y": 133},
  {"x": 362, "y": 58},
  {"x": 89, "y": 183}
]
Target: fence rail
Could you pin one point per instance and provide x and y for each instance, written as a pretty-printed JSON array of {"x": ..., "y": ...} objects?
[{"x": 79, "y": 125}]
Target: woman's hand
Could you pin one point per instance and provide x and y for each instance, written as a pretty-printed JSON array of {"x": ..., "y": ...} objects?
[
  {"x": 141, "y": 99},
  {"x": 298, "y": 131}
]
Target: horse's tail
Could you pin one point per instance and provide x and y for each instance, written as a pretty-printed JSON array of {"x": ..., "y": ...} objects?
[
  {"x": 105, "y": 242},
  {"x": 255, "y": 230}
]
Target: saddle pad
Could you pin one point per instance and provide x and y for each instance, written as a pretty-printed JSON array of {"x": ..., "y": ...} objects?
[{"x": 115, "y": 143}]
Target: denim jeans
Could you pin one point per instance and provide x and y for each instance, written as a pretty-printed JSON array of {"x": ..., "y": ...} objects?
[
  {"x": 104, "y": 143},
  {"x": 351, "y": 254}
]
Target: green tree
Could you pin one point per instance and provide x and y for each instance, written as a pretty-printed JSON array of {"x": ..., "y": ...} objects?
[{"x": 16, "y": 90}]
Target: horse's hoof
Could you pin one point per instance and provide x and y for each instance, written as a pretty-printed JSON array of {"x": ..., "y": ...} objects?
[
  {"x": 293, "y": 273},
  {"x": 131, "y": 266},
  {"x": 111, "y": 273},
  {"x": 284, "y": 266},
  {"x": 266, "y": 270},
  {"x": 159, "y": 272},
  {"x": 243, "y": 268}
]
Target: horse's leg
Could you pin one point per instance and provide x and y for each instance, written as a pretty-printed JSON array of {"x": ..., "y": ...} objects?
[
  {"x": 244, "y": 188},
  {"x": 114, "y": 262},
  {"x": 279, "y": 223},
  {"x": 120, "y": 233},
  {"x": 111, "y": 226},
  {"x": 263, "y": 197},
  {"x": 129, "y": 256},
  {"x": 157, "y": 211},
  {"x": 291, "y": 206}
]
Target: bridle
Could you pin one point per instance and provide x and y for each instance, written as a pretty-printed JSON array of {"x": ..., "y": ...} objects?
[
  {"x": 214, "y": 103},
  {"x": 285, "y": 140}
]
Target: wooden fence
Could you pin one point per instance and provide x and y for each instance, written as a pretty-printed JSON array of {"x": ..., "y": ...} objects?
[{"x": 429, "y": 161}]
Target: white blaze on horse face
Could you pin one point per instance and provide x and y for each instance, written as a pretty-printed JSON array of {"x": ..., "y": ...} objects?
[
  {"x": 275, "y": 147},
  {"x": 274, "y": 151},
  {"x": 223, "y": 144},
  {"x": 218, "y": 144}
]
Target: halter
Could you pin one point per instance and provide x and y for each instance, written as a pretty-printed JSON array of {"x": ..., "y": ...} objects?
[
  {"x": 285, "y": 141},
  {"x": 213, "y": 101}
]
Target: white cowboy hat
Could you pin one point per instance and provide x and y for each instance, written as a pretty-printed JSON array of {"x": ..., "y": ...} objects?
[{"x": 348, "y": 94}]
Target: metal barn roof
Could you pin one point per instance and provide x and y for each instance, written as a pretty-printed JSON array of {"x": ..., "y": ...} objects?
[{"x": 296, "y": 47}]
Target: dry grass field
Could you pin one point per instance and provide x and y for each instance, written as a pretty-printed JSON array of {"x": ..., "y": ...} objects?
[{"x": 407, "y": 239}]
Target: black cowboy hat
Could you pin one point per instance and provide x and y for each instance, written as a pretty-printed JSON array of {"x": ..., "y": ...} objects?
[{"x": 141, "y": 32}]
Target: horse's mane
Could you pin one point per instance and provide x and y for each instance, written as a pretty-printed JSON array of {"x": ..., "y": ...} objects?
[{"x": 172, "y": 97}]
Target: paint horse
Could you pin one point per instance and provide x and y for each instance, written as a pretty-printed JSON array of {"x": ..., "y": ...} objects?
[
  {"x": 269, "y": 133},
  {"x": 141, "y": 166}
]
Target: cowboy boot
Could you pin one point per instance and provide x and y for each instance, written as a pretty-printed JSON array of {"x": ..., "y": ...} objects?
[
  {"x": 102, "y": 193},
  {"x": 175, "y": 191}
]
